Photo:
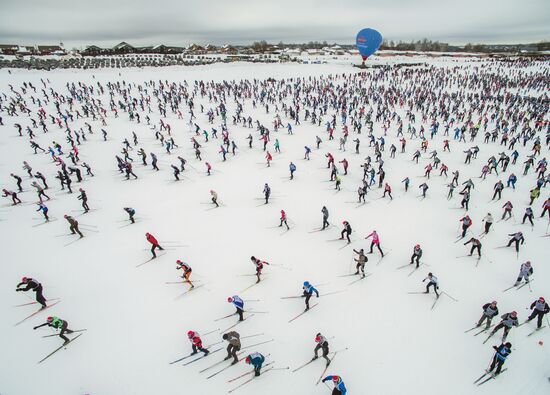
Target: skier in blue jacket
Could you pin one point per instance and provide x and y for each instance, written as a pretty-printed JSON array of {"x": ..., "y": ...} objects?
[
  {"x": 501, "y": 354},
  {"x": 255, "y": 359},
  {"x": 339, "y": 387},
  {"x": 42, "y": 207},
  {"x": 239, "y": 304},
  {"x": 308, "y": 292},
  {"x": 292, "y": 168}
]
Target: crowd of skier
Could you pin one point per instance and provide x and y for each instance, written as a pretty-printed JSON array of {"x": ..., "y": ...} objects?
[{"x": 419, "y": 110}]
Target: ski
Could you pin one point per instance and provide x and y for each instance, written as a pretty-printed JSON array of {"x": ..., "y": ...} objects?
[
  {"x": 59, "y": 348},
  {"x": 202, "y": 356},
  {"x": 223, "y": 369},
  {"x": 524, "y": 284},
  {"x": 291, "y": 297},
  {"x": 151, "y": 259},
  {"x": 382, "y": 257},
  {"x": 72, "y": 242},
  {"x": 181, "y": 359},
  {"x": 248, "y": 381},
  {"x": 189, "y": 290},
  {"x": 325, "y": 369},
  {"x": 471, "y": 329},
  {"x": 75, "y": 331},
  {"x": 536, "y": 330},
  {"x": 414, "y": 270},
  {"x": 480, "y": 377},
  {"x": 334, "y": 292},
  {"x": 35, "y": 313},
  {"x": 238, "y": 322},
  {"x": 257, "y": 344},
  {"x": 488, "y": 337},
  {"x": 31, "y": 303},
  {"x": 303, "y": 312},
  {"x": 509, "y": 288},
  {"x": 224, "y": 317},
  {"x": 217, "y": 363},
  {"x": 303, "y": 366},
  {"x": 491, "y": 376},
  {"x": 483, "y": 330},
  {"x": 435, "y": 301},
  {"x": 359, "y": 279},
  {"x": 250, "y": 286},
  {"x": 247, "y": 373}
]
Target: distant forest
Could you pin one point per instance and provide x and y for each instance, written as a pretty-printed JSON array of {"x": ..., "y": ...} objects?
[{"x": 423, "y": 45}]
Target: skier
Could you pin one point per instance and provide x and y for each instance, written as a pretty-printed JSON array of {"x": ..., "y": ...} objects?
[
  {"x": 361, "y": 260},
  {"x": 131, "y": 212},
  {"x": 501, "y": 353},
  {"x": 425, "y": 188},
  {"x": 18, "y": 181},
  {"x": 466, "y": 223},
  {"x": 545, "y": 208},
  {"x": 324, "y": 210},
  {"x": 292, "y": 168},
  {"x": 490, "y": 310},
  {"x": 433, "y": 282},
  {"x": 259, "y": 266},
  {"x": 267, "y": 193},
  {"x": 525, "y": 271},
  {"x": 73, "y": 225},
  {"x": 339, "y": 387},
  {"x": 39, "y": 191},
  {"x": 308, "y": 292},
  {"x": 476, "y": 245},
  {"x": 196, "y": 343},
  {"x": 375, "y": 242},
  {"x": 488, "y": 222},
  {"x": 42, "y": 207},
  {"x": 177, "y": 172},
  {"x": 239, "y": 305},
  {"x": 84, "y": 199},
  {"x": 516, "y": 238},
  {"x": 508, "y": 320},
  {"x": 284, "y": 220},
  {"x": 346, "y": 231},
  {"x": 540, "y": 308},
  {"x": 528, "y": 215},
  {"x": 322, "y": 344},
  {"x": 13, "y": 195},
  {"x": 154, "y": 244},
  {"x": 214, "y": 197},
  {"x": 57, "y": 323},
  {"x": 234, "y": 340},
  {"x": 387, "y": 189},
  {"x": 187, "y": 270},
  {"x": 507, "y": 210},
  {"x": 417, "y": 254},
  {"x": 256, "y": 360},
  {"x": 34, "y": 285}
]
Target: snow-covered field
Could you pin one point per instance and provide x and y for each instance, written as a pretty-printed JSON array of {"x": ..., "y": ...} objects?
[{"x": 391, "y": 340}]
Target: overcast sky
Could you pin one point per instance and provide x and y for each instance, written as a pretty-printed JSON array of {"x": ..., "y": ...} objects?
[{"x": 78, "y": 23}]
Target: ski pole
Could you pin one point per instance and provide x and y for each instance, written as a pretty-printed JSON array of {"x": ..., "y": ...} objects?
[{"x": 450, "y": 296}]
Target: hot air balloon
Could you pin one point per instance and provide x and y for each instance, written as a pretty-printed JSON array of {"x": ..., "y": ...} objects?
[{"x": 368, "y": 41}]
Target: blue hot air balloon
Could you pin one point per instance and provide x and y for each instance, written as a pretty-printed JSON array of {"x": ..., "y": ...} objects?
[{"x": 368, "y": 41}]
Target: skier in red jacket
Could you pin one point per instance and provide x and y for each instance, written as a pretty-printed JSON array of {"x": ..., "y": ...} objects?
[{"x": 154, "y": 244}]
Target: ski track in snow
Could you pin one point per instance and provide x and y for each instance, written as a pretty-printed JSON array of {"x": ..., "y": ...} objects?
[{"x": 136, "y": 323}]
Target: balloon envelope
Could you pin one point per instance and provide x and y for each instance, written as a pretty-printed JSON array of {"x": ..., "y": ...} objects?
[{"x": 368, "y": 41}]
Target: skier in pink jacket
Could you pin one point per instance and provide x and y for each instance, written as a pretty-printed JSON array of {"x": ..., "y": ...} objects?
[{"x": 375, "y": 242}]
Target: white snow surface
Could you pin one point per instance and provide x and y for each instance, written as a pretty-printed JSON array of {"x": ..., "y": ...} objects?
[{"x": 136, "y": 323}]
